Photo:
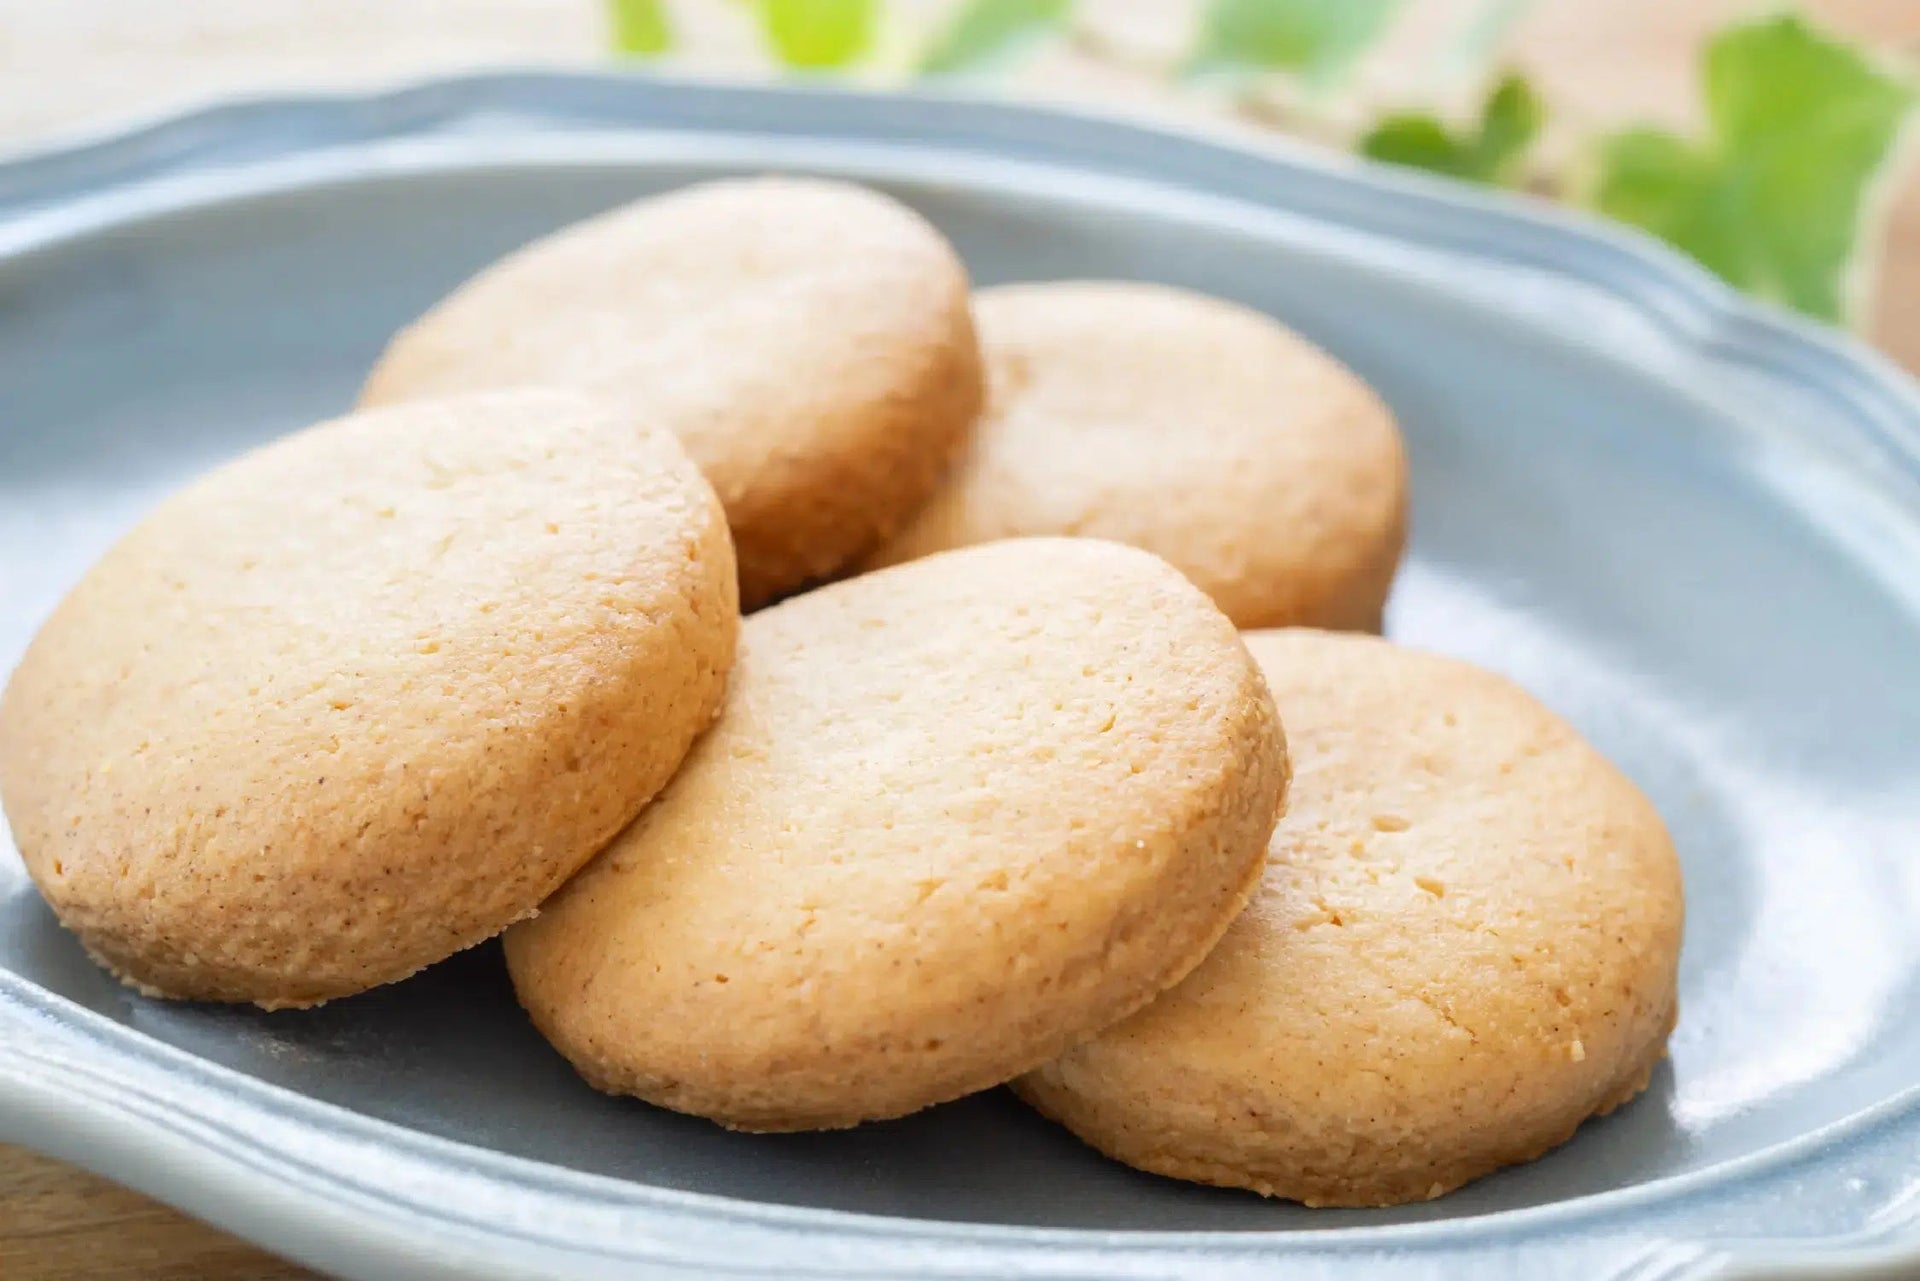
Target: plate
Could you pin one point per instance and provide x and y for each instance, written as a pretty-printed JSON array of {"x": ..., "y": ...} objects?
[{"x": 1691, "y": 526}]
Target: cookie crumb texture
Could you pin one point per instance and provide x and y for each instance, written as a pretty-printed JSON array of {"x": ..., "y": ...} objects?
[
  {"x": 956, "y": 816},
  {"x": 1465, "y": 945},
  {"x": 810, "y": 342},
  {"x": 367, "y": 695},
  {"x": 1198, "y": 429}
]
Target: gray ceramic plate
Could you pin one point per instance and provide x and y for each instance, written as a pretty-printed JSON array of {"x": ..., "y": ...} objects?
[{"x": 1692, "y": 527}]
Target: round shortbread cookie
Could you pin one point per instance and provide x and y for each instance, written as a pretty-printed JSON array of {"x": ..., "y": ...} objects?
[
  {"x": 809, "y": 341},
  {"x": 1192, "y": 427},
  {"x": 1465, "y": 945},
  {"x": 956, "y": 816},
  {"x": 366, "y": 696}
]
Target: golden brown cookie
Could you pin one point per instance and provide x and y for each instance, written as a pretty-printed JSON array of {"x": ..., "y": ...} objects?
[
  {"x": 956, "y": 816},
  {"x": 1464, "y": 946},
  {"x": 809, "y": 341},
  {"x": 1192, "y": 427},
  {"x": 367, "y": 695}
]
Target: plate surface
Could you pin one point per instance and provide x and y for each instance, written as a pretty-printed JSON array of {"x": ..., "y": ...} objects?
[{"x": 1691, "y": 527}]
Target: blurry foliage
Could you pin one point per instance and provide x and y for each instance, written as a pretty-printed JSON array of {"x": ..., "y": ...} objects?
[
  {"x": 1798, "y": 127},
  {"x": 816, "y": 35},
  {"x": 639, "y": 27},
  {"x": 1490, "y": 151},
  {"x": 1315, "y": 40},
  {"x": 985, "y": 34},
  {"x": 1774, "y": 198}
]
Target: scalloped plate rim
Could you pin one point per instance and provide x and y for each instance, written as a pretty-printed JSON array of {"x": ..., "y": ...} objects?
[{"x": 1713, "y": 324}]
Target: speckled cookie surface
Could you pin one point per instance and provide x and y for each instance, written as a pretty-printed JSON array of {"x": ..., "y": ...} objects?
[
  {"x": 809, "y": 341},
  {"x": 1464, "y": 946},
  {"x": 956, "y": 816},
  {"x": 1198, "y": 429},
  {"x": 367, "y": 695}
]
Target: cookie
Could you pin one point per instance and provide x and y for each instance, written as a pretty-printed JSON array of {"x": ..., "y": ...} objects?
[
  {"x": 956, "y": 816},
  {"x": 366, "y": 696},
  {"x": 1192, "y": 427},
  {"x": 1464, "y": 946},
  {"x": 809, "y": 341}
]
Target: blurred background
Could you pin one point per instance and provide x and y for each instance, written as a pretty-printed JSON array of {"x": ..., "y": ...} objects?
[
  {"x": 1764, "y": 140},
  {"x": 1767, "y": 142}
]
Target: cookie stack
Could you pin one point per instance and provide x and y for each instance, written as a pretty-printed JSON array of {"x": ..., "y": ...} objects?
[{"x": 988, "y": 786}]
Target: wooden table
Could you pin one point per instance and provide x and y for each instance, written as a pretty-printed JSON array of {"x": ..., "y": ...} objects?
[{"x": 69, "y": 65}]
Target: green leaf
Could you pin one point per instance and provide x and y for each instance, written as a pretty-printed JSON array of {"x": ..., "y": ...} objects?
[
  {"x": 1418, "y": 141},
  {"x": 1490, "y": 152},
  {"x": 989, "y": 33},
  {"x": 1509, "y": 123},
  {"x": 1768, "y": 78},
  {"x": 1774, "y": 198},
  {"x": 639, "y": 27},
  {"x": 1664, "y": 185},
  {"x": 818, "y": 34},
  {"x": 1317, "y": 40}
]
